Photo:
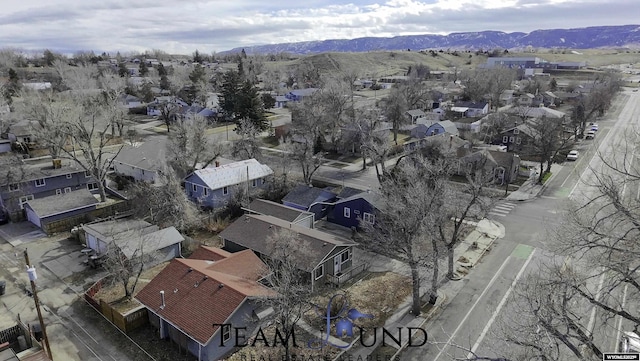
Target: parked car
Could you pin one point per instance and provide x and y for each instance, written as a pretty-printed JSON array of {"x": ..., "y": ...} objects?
[
  {"x": 590, "y": 134},
  {"x": 594, "y": 127},
  {"x": 573, "y": 155}
]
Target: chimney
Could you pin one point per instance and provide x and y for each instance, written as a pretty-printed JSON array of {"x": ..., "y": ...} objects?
[
  {"x": 162, "y": 298},
  {"x": 450, "y": 141},
  {"x": 57, "y": 163}
]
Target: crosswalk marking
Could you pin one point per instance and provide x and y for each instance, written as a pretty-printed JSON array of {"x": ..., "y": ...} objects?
[{"x": 502, "y": 209}]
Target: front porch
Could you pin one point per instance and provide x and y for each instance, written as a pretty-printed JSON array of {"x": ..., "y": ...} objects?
[{"x": 341, "y": 277}]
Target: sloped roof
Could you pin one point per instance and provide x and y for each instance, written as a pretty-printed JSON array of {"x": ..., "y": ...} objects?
[
  {"x": 210, "y": 253},
  {"x": 373, "y": 198},
  {"x": 469, "y": 104},
  {"x": 23, "y": 127},
  {"x": 108, "y": 229},
  {"x": 253, "y": 231},
  {"x": 449, "y": 127},
  {"x": 232, "y": 173},
  {"x": 200, "y": 293},
  {"x": 269, "y": 208},
  {"x": 131, "y": 241},
  {"x": 61, "y": 203},
  {"x": 149, "y": 155},
  {"x": 415, "y": 112},
  {"x": 304, "y": 195}
]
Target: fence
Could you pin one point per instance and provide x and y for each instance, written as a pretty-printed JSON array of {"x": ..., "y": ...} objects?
[
  {"x": 65, "y": 224},
  {"x": 347, "y": 275},
  {"x": 10, "y": 335},
  {"x": 126, "y": 322}
]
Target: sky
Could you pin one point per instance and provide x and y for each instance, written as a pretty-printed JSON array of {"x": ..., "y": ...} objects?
[{"x": 182, "y": 26}]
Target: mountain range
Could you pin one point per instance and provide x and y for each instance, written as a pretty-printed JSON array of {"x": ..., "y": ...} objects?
[{"x": 578, "y": 38}]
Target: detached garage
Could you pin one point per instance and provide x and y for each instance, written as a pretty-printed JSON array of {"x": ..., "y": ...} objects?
[{"x": 44, "y": 211}]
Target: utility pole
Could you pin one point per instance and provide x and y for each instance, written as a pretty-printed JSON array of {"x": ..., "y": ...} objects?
[{"x": 31, "y": 271}]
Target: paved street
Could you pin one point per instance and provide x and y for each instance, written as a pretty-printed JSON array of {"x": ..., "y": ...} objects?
[{"x": 469, "y": 320}]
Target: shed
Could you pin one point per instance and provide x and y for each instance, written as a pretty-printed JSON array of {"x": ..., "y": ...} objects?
[{"x": 44, "y": 211}]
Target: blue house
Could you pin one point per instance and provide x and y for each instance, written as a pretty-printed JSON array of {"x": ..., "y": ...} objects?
[
  {"x": 195, "y": 302},
  {"x": 433, "y": 127},
  {"x": 18, "y": 185},
  {"x": 43, "y": 211},
  {"x": 350, "y": 211},
  {"x": 213, "y": 187},
  {"x": 310, "y": 199},
  {"x": 299, "y": 94}
]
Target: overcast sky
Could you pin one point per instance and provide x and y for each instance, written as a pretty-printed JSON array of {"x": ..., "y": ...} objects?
[{"x": 181, "y": 26}]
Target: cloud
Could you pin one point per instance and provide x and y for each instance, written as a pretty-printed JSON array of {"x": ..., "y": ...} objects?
[{"x": 181, "y": 26}]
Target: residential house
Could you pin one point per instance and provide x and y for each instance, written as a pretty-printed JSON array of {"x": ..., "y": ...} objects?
[
  {"x": 134, "y": 238},
  {"x": 37, "y": 85},
  {"x": 501, "y": 166},
  {"x": 430, "y": 128},
  {"x": 213, "y": 187},
  {"x": 470, "y": 109},
  {"x": 142, "y": 162},
  {"x": 194, "y": 301},
  {"x": 289, "y": 214},
  {"x": 322, "y": 257},
  {"x": 517, "y": 138},
  {"x": 525, "y": 100},
  {"x": 299, "y": 94},
  {"x": 506, "y": 97},
  {"x": 538, "y": 112},
  {"x": 33, "y": 181},
  {"x": 23, "y": 132},
  {"x": 351, "y": 210},
  {"x": 449, "y": 142},
  {"x": 414, "y": 115},
  {"x": 129, "y": 101},
  {"x": 72, "y": 206},
  {"x": 281, "y": 101},
  {"x": 310, "y": 199}
]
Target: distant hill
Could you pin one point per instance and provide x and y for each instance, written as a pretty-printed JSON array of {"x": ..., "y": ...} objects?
[{"x": 580, "y": 38}]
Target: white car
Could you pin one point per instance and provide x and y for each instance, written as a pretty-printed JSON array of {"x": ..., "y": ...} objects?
[
  {"x": 630, "y": 342},
  {"x": 590, "y": 134},
  {"x": 594, "y": 127},
  {"x": 573, "y": 155}
]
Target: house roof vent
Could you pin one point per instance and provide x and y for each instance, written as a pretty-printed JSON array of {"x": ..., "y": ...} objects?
[{"x": 221, "y": 285}]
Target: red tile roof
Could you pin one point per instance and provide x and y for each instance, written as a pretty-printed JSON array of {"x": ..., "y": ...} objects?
[{"x": 200, "y": 293}]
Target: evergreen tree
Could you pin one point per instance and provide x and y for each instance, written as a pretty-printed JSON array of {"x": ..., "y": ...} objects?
[
  {"x": 49, "y": 57},
  {"x": 144, "y": 69},
  {"x": 13, "y": 86},
  {"x": 230, "y": 93},
  {"x": 122, "y": 70},
  {"x": 268, "y": 101},
  {"x": 197, "y": 58}
]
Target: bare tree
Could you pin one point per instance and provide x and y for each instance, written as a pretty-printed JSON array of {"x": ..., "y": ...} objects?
[
  {"x": 127, "y": 256},
  {"x": 189, "y": 148},
  {"x": 306, "y": 130},
  {"x": 412, "y": 192},
  {"x": 548, "y": 140},
  {"x": 286, "y": 279},
  {"x": 248, "y": 146}
]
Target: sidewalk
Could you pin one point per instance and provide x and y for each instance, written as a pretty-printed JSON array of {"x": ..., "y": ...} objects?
[
  {"x": 531, "y": 189},
  {"x": 467, "y": 254}
]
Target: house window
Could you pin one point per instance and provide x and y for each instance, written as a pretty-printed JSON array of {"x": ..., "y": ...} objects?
[
  {"x": 40, "y": 182},
  {"x": 345, "y": 256},
  {"x": 226, "y": 333},
  {"x": 205, "y": 191},
  {"x": 254, "y": 183},
  {"x": 25, "y": 199},
  {"x": 318, "y": 272},
  {"x": 58, "y": 191},
  {"x": 369, "y": 218},
  {"x": 516, "y": 131},
  {"x": 518, "y": 140},
  {"x": 505, "y": 139},
  {"x": 67, "y": 189},
  {"x": 92, "y": 186},
  {"x": 26, "y": 139},
  {"x": 14, "y": 187},
  {"x": 264, "y": 180},
  {"x": 194, "y": 187},
  {"x": 87, "y": 174},
  {"x": 347, "y": 212},
  {"x": 511, "y": 139},
  {"x": 69, "y": 176},
  {"x": 225, "y": 191}
]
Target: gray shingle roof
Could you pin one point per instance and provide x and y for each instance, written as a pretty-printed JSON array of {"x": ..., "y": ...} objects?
[
  {"x": 269, "y": 208},
  {"x": 61, "y": 203},
  {"x": 233, "y": 173},
  {"x": 150, "y": 155},
  {"x": 253, "y": 231},
  {"x": 304, "y": 196}
]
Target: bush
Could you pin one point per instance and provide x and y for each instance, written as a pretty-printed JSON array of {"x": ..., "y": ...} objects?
[{"x": 545, "y": 177}]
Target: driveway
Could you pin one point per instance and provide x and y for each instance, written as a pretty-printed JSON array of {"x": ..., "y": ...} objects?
[{"x": 20, "y": 233}]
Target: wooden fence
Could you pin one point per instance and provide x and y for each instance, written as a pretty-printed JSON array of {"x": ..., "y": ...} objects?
[
  {"x": 126, "y": 322},
  {"x": 65, "y": 224}
]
